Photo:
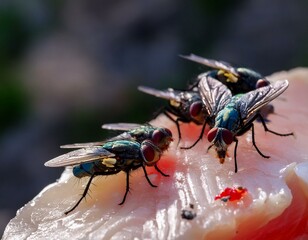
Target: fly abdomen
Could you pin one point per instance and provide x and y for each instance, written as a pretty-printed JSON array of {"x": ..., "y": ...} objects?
[
  {"x": 106, "y": 165},
  {"x": 86, "y": 169}
]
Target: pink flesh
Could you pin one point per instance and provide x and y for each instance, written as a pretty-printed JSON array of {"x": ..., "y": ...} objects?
[{"x": 276, "y": 206}]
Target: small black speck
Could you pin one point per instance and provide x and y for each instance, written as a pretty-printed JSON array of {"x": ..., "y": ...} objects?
[{"x": 188, "y": 214}]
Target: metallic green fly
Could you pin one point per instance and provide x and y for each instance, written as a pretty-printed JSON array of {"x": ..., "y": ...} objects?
[
  {"x": 238, "y": 80},
  {"x": 160, "y": 136},
  {"x": 234, "y": 115},
  {"x": 183, "y": 106},
  {"x": 115, "y": 155}
]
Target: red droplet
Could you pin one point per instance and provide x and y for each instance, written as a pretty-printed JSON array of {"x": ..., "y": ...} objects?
[
  {"x": 212, "y": 134},
  {"x": 231, "y": 194}
]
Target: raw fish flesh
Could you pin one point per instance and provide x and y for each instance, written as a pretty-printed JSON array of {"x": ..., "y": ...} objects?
[{"x": 275, "y": 205}]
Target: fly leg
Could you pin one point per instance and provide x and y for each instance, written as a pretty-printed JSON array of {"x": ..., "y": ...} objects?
[
  {"x": 254, "y": 142},
  {"x": 268, "y": 130},
  {"x": 235, "y": 160},
  {"x": 146, "y": 176},
  {"x": 83, "y": 195},
  {"x": 209, "y": 148},
  {"x": 192, "y": 86},
  {"x": 127, "y": 187},
  {"x": 176, "y": 122},
  {"x": 199, "y": 138},
  {"x": 166, "y": 111},
  {"x": 160, "y": 171}
]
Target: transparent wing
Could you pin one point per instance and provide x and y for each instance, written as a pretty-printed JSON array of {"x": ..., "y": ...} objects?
[
  {"x": 168, "y": 94},
  {"x": 79, "y": 156},
  {"x": 251, "y": 102},
  {"x": 83, "y": 145},
  {"x": 109, "y": 126},
  {"x": 214, "y": 94},
  {"x": 121, "y": 126},
  {"x": 211, "y": 63}
]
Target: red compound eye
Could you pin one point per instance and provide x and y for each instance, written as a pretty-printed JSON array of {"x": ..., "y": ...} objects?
[
  {"x": 262, "y": 83},
  {"x": 161, "y": 138},
  {"x": 169, "y": 133},
  {"x": 195, "y": 109},
  {"x": 157, "y": 137},
  {"x": 212, "y": 134},
  {"x": 150, "y": 154},
  {"x": 227, "y": 136}
]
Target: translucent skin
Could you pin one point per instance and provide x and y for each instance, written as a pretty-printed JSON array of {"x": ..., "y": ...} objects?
[{"x": 274, "y": 207}]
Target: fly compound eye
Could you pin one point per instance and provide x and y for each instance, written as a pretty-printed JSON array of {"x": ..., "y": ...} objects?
[
  {"x": 211, "y": 135},
  {"x": 168, "y": 132},
  {"x": 150, "y": 153},
  {"x": 227, "y": 136},
  {"x": 162, "y": 137},
  {"x": 262, "y": 83},
  {"x": 157, "y": 137},
  {"x": 195, "y": 109}
]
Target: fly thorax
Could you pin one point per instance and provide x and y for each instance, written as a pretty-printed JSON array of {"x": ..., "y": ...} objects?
[
  {"x": 121, "y": 162},
  {"x": 141, "y": 133},
  {"x": 231, "y": 78},
  {"x": 132, "y": 163},
  {"x": 248, "y": 75},
  {"x": 174, "y": 103},
  {"x": 225, "y": 76},
  {"x": 228, "y": 118},
  {"x": 234, "y": 120},
  {"x": 109, "y": 162}
]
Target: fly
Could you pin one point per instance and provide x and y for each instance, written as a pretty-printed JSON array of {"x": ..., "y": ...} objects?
[
  {"x": 234, "y": 115},
  {"x": 186, "y": 106},
  {"x": 238, "y": 80},
  {"x": 108, "y": 159},
  {"x": 161, "y": 137}
]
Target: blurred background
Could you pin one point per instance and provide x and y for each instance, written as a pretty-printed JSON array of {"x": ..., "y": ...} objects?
[{"x": 66, "y": 67}]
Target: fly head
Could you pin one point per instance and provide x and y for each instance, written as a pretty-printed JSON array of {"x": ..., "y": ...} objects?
[
  {"x": 221, "y": 138},
  {"x": 162, "y": 137}
]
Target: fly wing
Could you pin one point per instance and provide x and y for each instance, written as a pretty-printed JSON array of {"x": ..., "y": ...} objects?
[
  {"x": 109, "y": 126},
  {"x": 168, "y": 94},
  {"x": 214, "y": 94},
  {"x": 251, "y": 102},
  {"x": 83, "y": 145},
  {"x": 121, "y": 126},
  {"x": 211, "y": 63},
  {"x": 79, "y": 156}
]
